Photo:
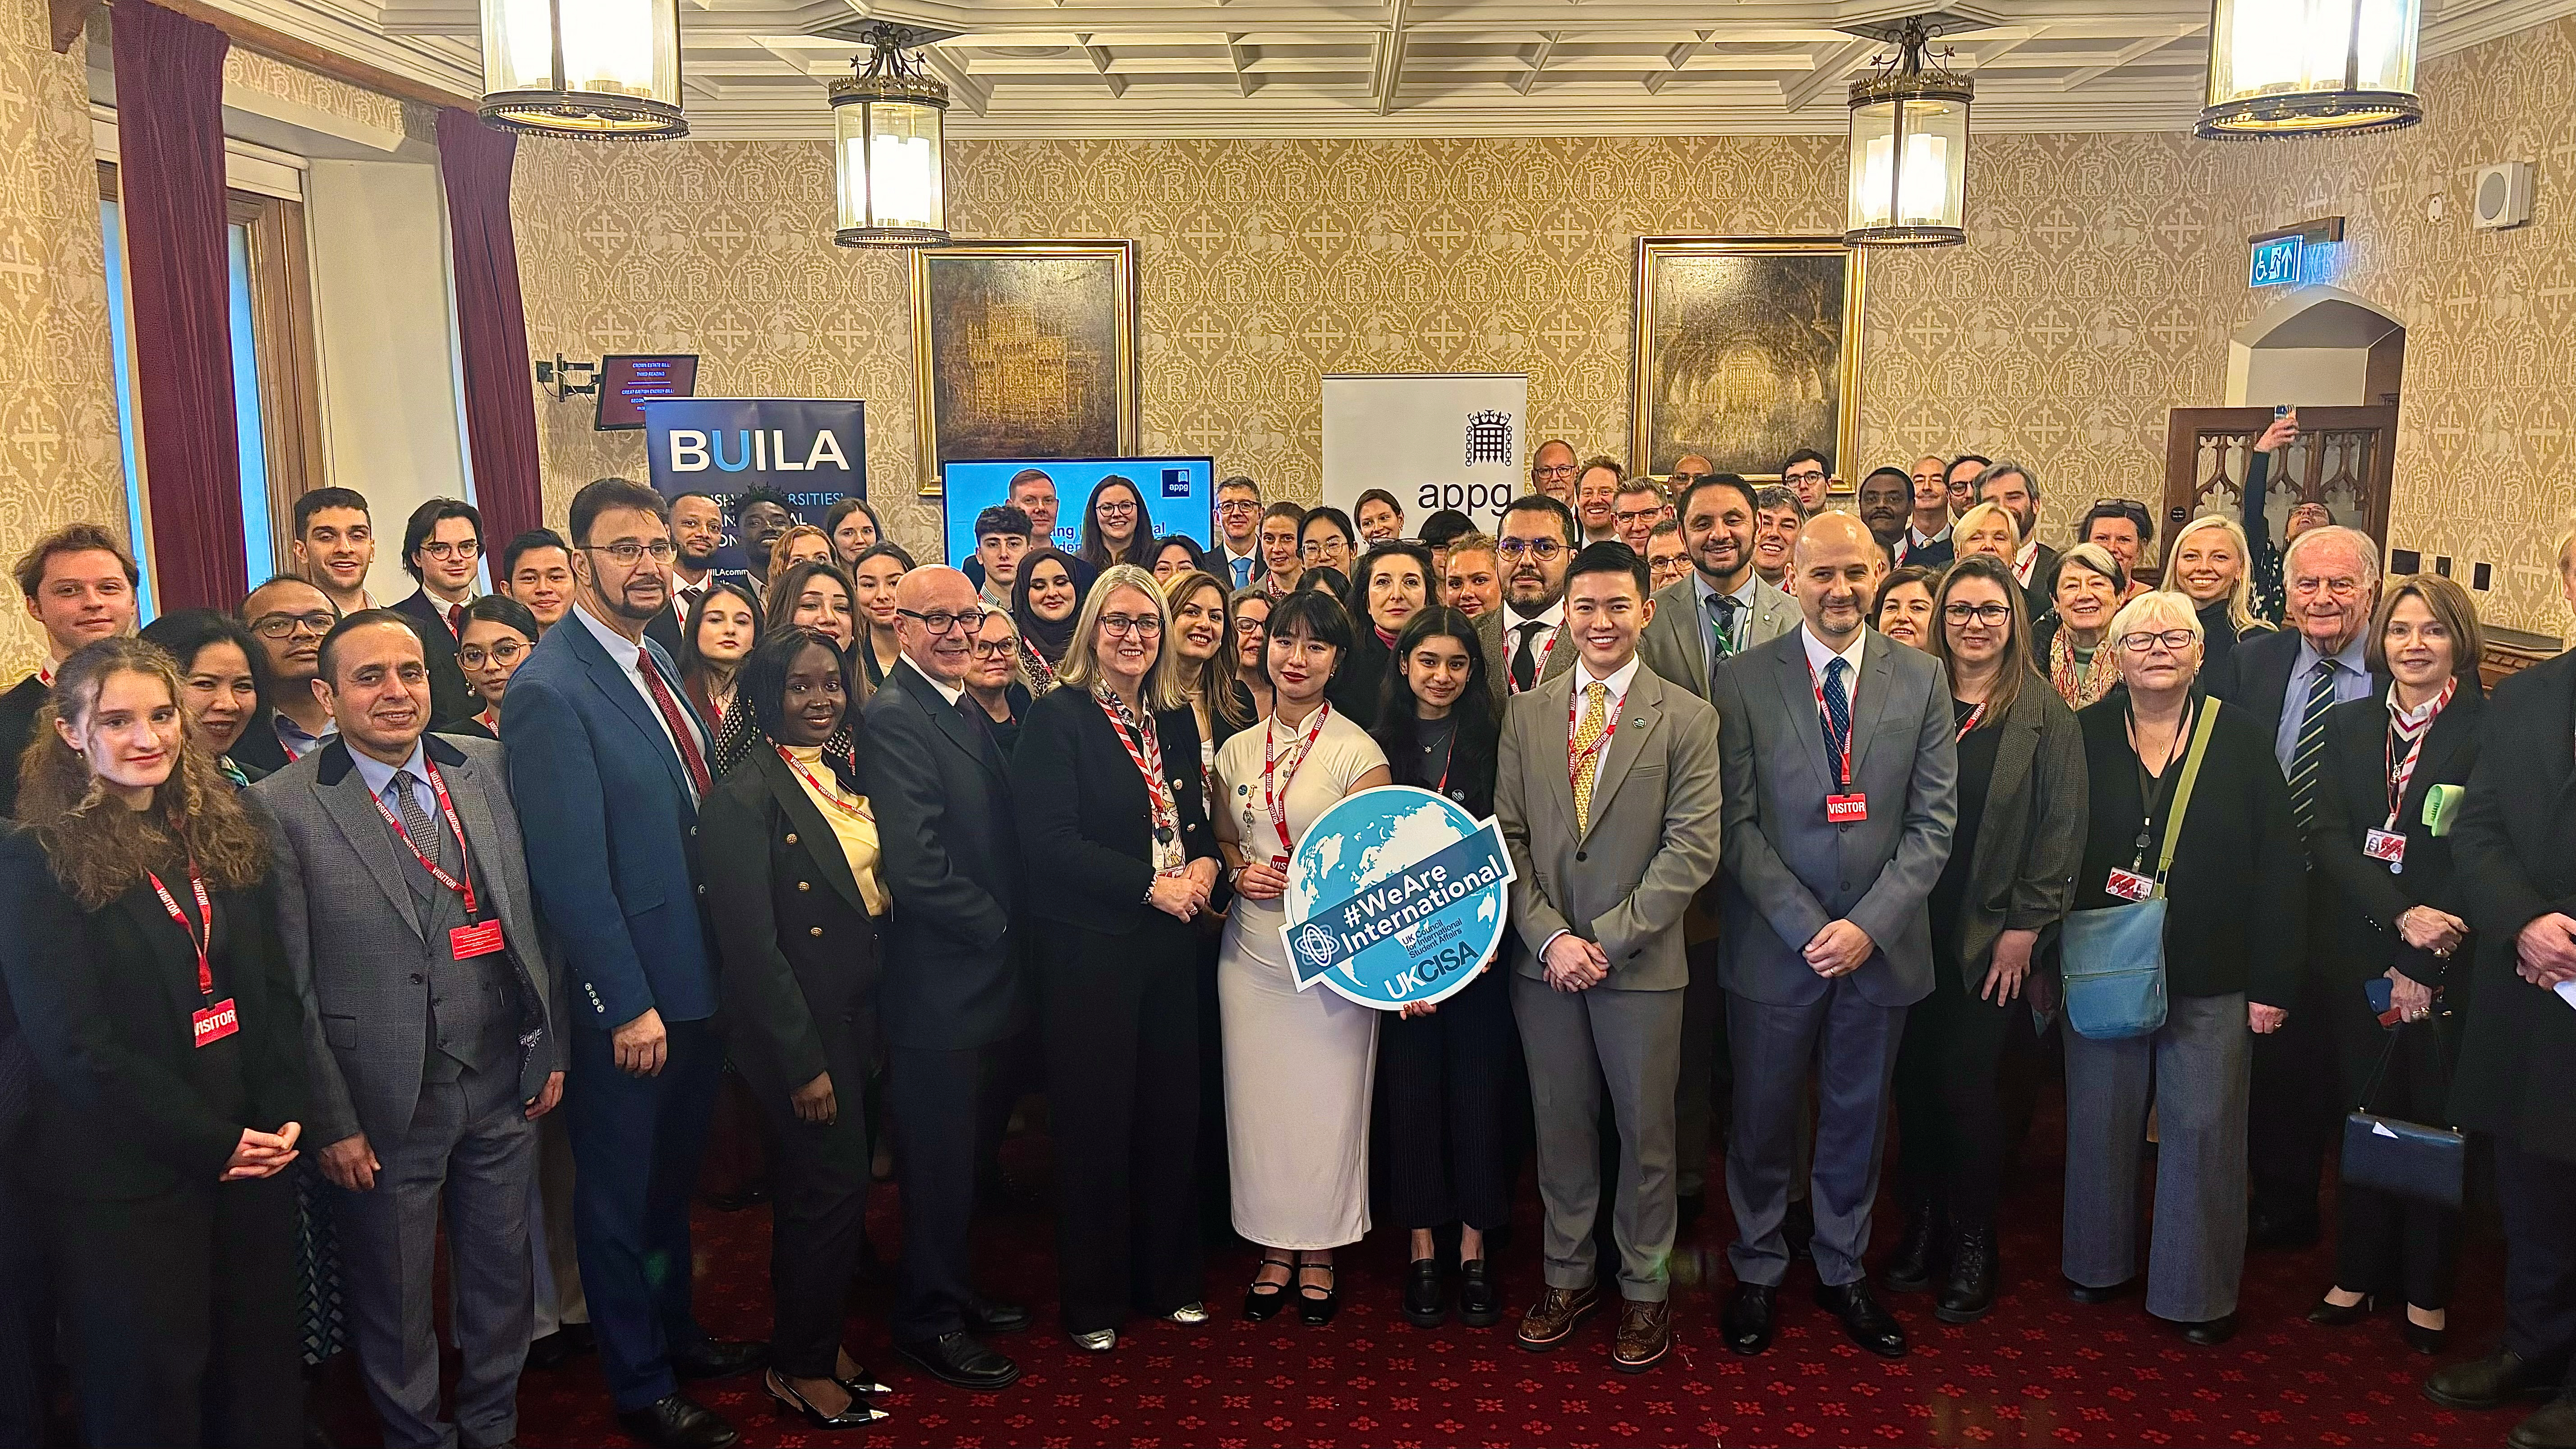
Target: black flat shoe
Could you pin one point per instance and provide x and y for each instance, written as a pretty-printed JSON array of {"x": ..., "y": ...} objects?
[
  {"x": 790, "y": 1404},
  {"x": 958, "y": 1360},
  {"x": 674, "y": 1421},
  {"x": 2427, "y": 1341},
  {"x": 2209, "y": 1332},
  {"x": 1262, "y": 1301},
  {"x": 1752, "y": 1313},
  {"x": 1864, "y": 1321},
  {"x": 1425, "y": 1301},
  {"x": 1315, "y": 1310},
  {"x": 2086, "y": 1293},
  {"x": 2343, "y": 1315},
  {"x": 719, "y": 1359},
  {"x": 1480, "y": 1305}
]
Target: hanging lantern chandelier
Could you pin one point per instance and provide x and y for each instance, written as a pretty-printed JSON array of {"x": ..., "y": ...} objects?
[
  {"x": 598, "y": 69},
  {"x": 1909, "y": 150},
  {"x": 2303, "y": 67},
  {"x": 889, "y": 163}
]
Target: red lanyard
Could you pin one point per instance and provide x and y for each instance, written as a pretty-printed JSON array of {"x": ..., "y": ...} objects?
[
  {"x": 1040, "y": 671},
  {"x": 1975, "y": 717},
  {"x": 1277, "y": 800},
  {"x": 1832, "y": 742},
  {"x": 463, "y": 887},
  {"x": 1538, "y": 673},
  {"x": 2402, "y": 772},
  {"x": 830, "y": 795},
  {"x": 1149, "y": 763},
  {"x": 203, "y": 935},
  {"x": 1578, "y": 763}
]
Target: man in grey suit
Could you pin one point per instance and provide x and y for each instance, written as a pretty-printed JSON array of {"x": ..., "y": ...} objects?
[
  {"x": 1610, "y": 808},
  {"x": 1535, "y": 548},
  {"x": 429, "y": 1027},
  {"x": 1718, "y": 611},
  {"x": 1842, "y": 782}
]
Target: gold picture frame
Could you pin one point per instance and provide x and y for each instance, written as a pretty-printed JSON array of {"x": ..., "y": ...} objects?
[
  {"x": 1746, "y": 350},
  {"x": 1023, "y": 349}
]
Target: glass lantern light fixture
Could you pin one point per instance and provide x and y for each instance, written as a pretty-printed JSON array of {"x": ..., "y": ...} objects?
[
  {"x": 889, "y": 162},
  {"x": 1909, "y": 150},
  {"x": 2300, "y": 67},
  {"x": 597, "y": 69}
]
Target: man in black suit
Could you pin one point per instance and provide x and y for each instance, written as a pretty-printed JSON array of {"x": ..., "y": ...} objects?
[
  {"x": 2290, "y": 681},
  {"x": 952, "y": 987},
  {"x": 79, "y": 585},
  {"x": 443, "y": 550},
  {"x": 2016, "y": 488},
  {"x": 26, "y": 1307}
]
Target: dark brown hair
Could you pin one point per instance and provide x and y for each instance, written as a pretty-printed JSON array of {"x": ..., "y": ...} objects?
[
  {"x": 2452, "y": 608},
  {"x": 2019, "y": 665}
]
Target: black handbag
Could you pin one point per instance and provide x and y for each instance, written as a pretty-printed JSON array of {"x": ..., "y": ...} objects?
[{"x": 2408, "y": 1159}]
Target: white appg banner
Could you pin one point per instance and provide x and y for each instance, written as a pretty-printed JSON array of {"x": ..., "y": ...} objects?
[{"x": 1434, "y": 440}]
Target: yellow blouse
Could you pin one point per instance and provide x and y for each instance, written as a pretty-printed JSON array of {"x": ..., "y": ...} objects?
[{"x": 852, "y": 821}]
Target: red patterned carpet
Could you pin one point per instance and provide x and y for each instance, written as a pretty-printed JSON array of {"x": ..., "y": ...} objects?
[{"x": 2040, "y": 1370}]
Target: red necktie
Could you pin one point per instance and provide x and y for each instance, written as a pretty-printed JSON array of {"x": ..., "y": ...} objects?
[
  {"x": 676, "y": 722},
  {"x": 456, "y": 618}
]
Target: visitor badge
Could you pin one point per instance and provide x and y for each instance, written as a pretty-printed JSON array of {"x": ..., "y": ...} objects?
[
  {"x": 468, "y": 942},
  {"x": 214, "y": 1023},
  {"x": 1846, "y": 809},
  {"x": 2128, "y": 885},
  {"x": 2387, "y": 845},
  {"x": 1279, "y": 863}
]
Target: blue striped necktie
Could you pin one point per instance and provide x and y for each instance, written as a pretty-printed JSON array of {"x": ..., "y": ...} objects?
[{"x": 2308, "y": 756}]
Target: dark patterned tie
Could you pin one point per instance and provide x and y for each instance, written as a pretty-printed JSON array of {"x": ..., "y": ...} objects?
[
  {"x": 425, "y": 835},
  {"x": 2308, "y": 755},
  {"x": 1721, "y": 629},
  {"x": 456, "y": 619},
  {"x": 1838, "y": 725},
  {"x": 676, "y": 722}
]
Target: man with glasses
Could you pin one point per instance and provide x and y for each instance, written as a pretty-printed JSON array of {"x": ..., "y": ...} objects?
[
  {"x": 1552, "y": 470},
  {"x": 1810, "y": 475},
  {"x": 1535, "y": 550},
  {"x": 443, "y": 551},
  {"x": 1689, "y": 469},
  {"x": 607, "y": 763},
  {"x": 952, "y": 994},
  {"x": 1635, "y": 510},
  {"x": 1963, "y": 474},
  {"x": 289, "y": 616},
  {"x": 1237, "y": 559}
]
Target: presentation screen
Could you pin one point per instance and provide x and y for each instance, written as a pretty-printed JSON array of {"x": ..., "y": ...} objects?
[
  {"x": 627, "y": 381},
  {"x": 1180, "y": 494}
]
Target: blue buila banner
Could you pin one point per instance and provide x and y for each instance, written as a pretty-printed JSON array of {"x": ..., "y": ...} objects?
[
  {"x": 1396, "y": 895},
  {"x": 814, "y": 450}
]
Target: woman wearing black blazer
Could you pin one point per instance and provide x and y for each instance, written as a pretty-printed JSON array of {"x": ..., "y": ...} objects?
[
  {"x": 1995, "y": 910},
  {"x": 1445, "y": 1073},
  {"x": 790, "y": 847},
  {"x": 2401, "y": 919},
  {"x": 143, "y": 959},
  {"x": 1120, "y": 861}
]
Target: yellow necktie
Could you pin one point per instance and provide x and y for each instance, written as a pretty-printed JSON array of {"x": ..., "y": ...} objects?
[{"x": 1587, "y": 739}]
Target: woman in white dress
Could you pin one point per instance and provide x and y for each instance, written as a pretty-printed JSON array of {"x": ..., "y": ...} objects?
[{"x": 1298, "y": 1064}]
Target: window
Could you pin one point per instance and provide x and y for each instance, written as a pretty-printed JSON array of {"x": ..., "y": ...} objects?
[{"x": 277, "y": 403}]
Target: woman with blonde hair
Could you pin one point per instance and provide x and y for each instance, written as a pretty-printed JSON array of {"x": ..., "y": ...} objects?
[
  {"x": 995, "y": 679},
  {"x": 2207, "y": 561},
  {"x": 1987, "y": 528}
]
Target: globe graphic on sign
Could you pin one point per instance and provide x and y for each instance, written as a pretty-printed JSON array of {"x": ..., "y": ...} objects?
[
  {"x": 1366, "y": 838},
  {"x": 1395, "y": 895}
]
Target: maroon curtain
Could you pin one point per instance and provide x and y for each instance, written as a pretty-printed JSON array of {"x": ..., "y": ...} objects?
[
  {"x": 170, "y": 180},
  {"x": 491, "y": 326}
]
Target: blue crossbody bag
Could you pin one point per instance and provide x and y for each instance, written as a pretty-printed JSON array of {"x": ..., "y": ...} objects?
[{"x": 2113, "y": 959}]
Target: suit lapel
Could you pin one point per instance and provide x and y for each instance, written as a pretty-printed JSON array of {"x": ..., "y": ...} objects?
[
  {"x": 347, "y": 802},
  {"x": 174, "y": 957},
  {"x": 1798, "y": 693},
  {"x": 620, "y": 690},
  {"x": 814, "y": 833},
  {"x": 1639, "y": 713},
  {"x": 978, "y": 744},
  {"x": 1877, "y": 676},
  {"x": 465, "y": 792}
]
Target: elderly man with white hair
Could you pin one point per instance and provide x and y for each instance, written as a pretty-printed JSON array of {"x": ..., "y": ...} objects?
[{"x": 2287, "y": 682}]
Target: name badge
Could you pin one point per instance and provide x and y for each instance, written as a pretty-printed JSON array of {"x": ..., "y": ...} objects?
[
  {"x": 2387, "y": 845},
  {"x": 214, "y": 1023},
  {"x": 468, "y": 942},
  {"x": 2128, "y": 885},
  {"x": 1279, "y": 863},
  {"x": 1846, "y": 809}
]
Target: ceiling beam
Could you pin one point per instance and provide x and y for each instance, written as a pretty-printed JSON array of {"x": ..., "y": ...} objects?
[
  {"x": 1390, "y": 59},
  {"x": 2135, "y": 50},
  {"x": 294, "y": 50},
  {"x": 1100, "y": 65},
  {"x": 1675, "y": 60},
  {"x": 1537, "y": 62},
  {"x": 2008, "y": 46},
  {"x": 977, "y": 94},
  {"x": 1242, "y": 57},
  {"x": 1838, "y": 62}
]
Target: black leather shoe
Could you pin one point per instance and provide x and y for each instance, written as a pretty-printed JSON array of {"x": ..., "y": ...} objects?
[
  {"x": 2086, "y": 1293},
  {"x": 1752, "y": 1313},
  {"x": 956, "y": 1359},
  {"x": 1969, "y": 1294},
  {"x": 2209, "y": 1332},
  {"x": 1480, "y": 1304},
  {"x": 2265, "y": 1231},
  {"x": 1318, "y": 1302},
  {"x": 1687, "y": 1206},
  {"x": 1917, "y": 1260},
  {"x": 1864, "y": 1321},
  {"x": 716, "y": 1359},
  {"x": 1262, "y": 1301},
  {"x": 2492, "y": 1381},
  {"x": 549, "y": 1351},
  {"x": 2343, "y": 1315},
  {"x": 675, "y": 1422},
  {"x": 990, "y": 1317},
  {"x": 1425, "y": 1299},
  {"x": 2553, "y": 1427}
]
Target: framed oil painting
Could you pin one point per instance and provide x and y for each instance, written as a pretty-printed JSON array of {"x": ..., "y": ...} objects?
[
  {"x": 1747, "y": 349},
  {"x": 1024, "y": 349}
]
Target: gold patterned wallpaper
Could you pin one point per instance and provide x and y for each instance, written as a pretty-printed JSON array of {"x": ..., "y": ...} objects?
[{"x": 58, "y": 450}]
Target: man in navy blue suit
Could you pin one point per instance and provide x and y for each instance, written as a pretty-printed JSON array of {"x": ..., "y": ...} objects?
[{"x": 608, "y": 763}]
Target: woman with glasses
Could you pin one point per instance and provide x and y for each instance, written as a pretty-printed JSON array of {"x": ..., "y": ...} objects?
[
  {"x": 881, "y": 566},
  {"x": 1121, "y": 862},
  {"x": 813, "y": 595},
  {"x": 1392, "y": 583},
  {"x": 1298, "y": 1064},
  {"x": 2207, "y": 561},
  {"x": 1996, "y": 907},
  {"x": 994, "y": 679},
  {"x": 2236, "y": 912},
  {"x": 2090, "y": 584},
  {"x": 854, "y": 528},
  {"x": 225, "y": 688},
  {"x": 721, "y": 632},
  {"x": 495, "y": 641},
  {"x": 1043, "y": 602},
  {"x": 1903, "y": 610},
  {"x": 1177, "y": 555},
  {"x": 1116, "y": 529},
  {"x": 1326, "y": 540},
  {"x": 2400, "y": 915},
  {"x": 1252, "y": 606}
]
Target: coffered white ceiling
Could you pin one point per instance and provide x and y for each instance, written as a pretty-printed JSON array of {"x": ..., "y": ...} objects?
[{"x": 755, "y": 69}]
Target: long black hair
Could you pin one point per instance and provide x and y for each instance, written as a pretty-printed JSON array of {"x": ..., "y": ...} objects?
[
  {"x": 763, "y": 688},
  {"x": 1477, "y": 748},
  {"x": 186, "y": 633}
]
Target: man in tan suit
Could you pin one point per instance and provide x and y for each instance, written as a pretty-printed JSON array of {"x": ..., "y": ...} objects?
[{"x": 1609, "y": 800}]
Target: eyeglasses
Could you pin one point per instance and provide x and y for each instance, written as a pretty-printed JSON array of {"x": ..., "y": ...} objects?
[
  {"x": 278, "y": 626},
  {"x": 1637, "y": 515},
  {"x": 444, "y": 550},
  {"x": 1239, "y": 505},
  {"x": 2176, "y": 640},
  {"x": 475, "y": 656},
  {"x": 1554, "y": 470},
  {"x": 1684, "y": 480},
  {"x": 1982, "y": 613},
  {"x": 2343, "y": 587},
  {"x": 2125, "y": 507},
  {"x": 1120, "y": 626},
  {"x": 627, "y": 550},
  {"x": 1248, "y": 625},
  {"x": 995, "y": 648},
  {"x": 1814, "y": 475},
  {"x": 938, "y": 621},
  {"x": 1116, "y": 510},
  {"x": 1541, "y": 549}
]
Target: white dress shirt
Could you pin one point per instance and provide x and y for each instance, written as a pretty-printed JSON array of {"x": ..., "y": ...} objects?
[
  {"x": 1818, "y": 652},
  {"x": 625, "y": 652},
  {"x": 1618, "y": 681},
  {"x": 949, "y": 692},
  {"x": 1550, "y": 620}
]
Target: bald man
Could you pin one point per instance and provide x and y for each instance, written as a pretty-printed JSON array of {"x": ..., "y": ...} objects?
[{"x": 1841, "y": 780}]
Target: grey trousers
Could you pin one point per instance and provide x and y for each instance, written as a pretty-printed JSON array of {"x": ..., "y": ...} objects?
[
  {"x": 471, "y": 1150},
  {"x": 1849, "y": 1042},
  {"x": 2197, "y": 1068},
  {"x": 556, "y": 1265},
  {"x": 1574, "y": 1042}
]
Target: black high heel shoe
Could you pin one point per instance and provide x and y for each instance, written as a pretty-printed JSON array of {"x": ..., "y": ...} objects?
[
  {"x": 1314, "y": 1311},
  {"x": 789, "y": 1404},
  {"x": 1262, "y": 1301},
  {"x": 2343, "y": 1315},
  {"x": 2427, "y": 1341},
  {"x": 861, "y": 1382}
]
